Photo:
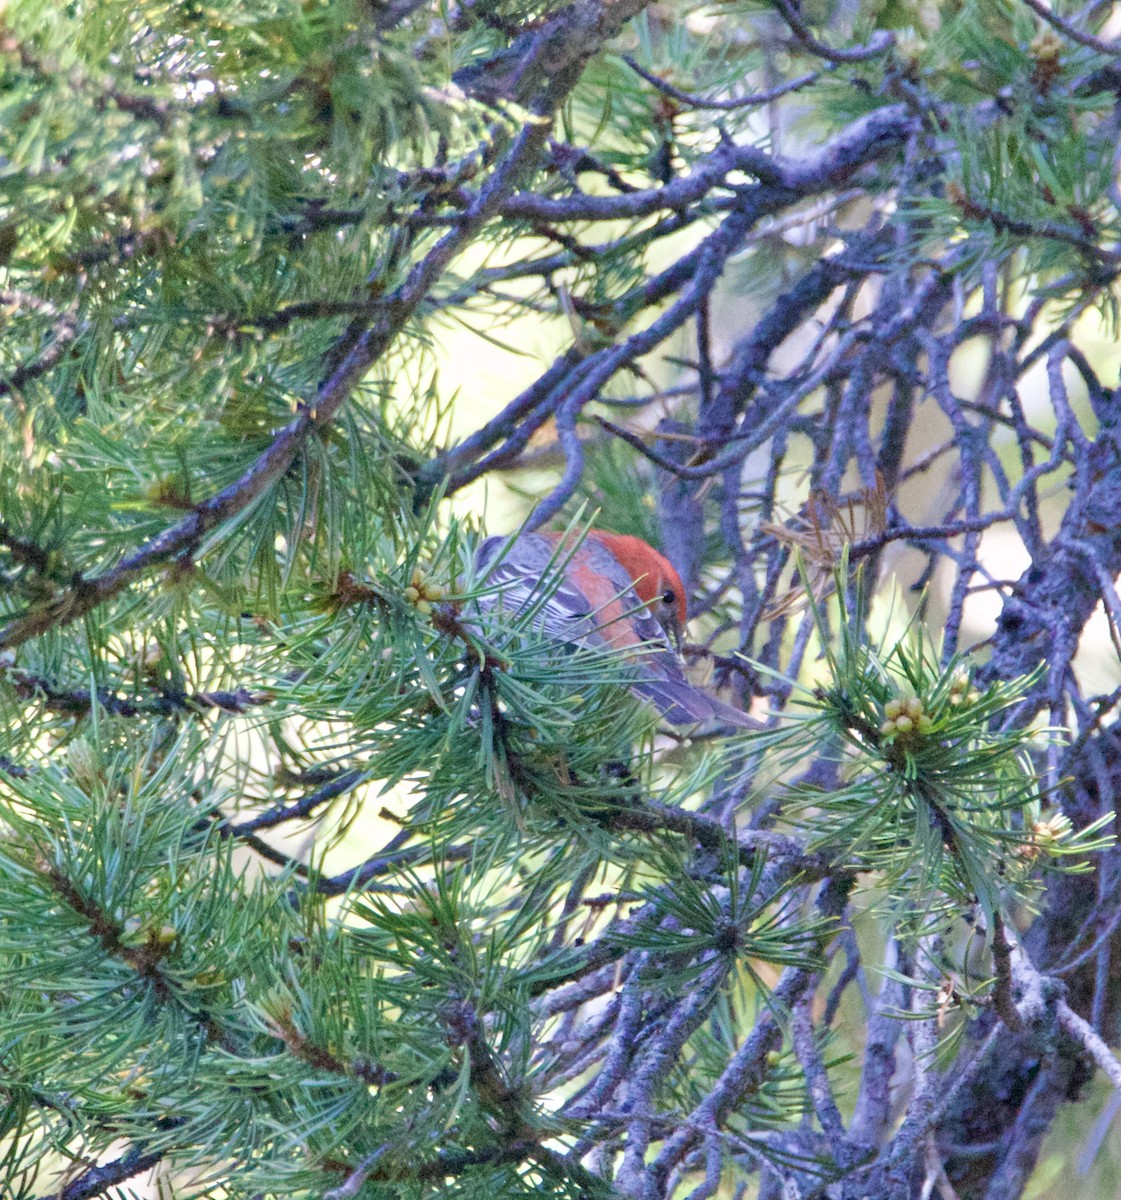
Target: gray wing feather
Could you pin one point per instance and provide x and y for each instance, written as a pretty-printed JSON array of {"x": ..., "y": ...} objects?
[{"x": 514, "y": 583}]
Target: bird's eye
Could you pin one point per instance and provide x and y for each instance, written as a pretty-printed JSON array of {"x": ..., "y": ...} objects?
[{"x": 669, "y": 596}]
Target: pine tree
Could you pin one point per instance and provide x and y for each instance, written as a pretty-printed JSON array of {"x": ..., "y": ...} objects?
[{"x": 320, "y": 876}]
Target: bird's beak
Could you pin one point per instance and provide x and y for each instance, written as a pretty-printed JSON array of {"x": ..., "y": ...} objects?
[{"x": 674, "y": 632}]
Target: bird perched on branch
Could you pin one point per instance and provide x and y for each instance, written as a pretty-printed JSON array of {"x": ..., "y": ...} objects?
[{"x": 616, "y": 592}]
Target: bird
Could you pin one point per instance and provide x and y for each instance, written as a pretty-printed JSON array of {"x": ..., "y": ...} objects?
[{"x": 615, "y": 592}]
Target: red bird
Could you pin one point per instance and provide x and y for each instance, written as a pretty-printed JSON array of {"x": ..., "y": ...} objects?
[{"x": 615, "y": 591}]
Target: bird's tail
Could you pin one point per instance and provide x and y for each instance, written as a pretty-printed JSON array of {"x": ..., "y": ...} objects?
[{"x": 683, "y": 704}]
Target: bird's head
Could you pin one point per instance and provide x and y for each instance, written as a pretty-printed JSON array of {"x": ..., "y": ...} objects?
[{"x": 656, "y": 583}]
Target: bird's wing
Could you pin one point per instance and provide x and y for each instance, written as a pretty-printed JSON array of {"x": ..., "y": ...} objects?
[
  {"x": 529, "y": 580},
  {"x": 595, "y": 605},
  {"x": 571, "y": 596}
]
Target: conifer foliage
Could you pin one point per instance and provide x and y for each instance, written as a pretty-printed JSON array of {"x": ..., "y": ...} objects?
[{"x": 321, "y": 875}]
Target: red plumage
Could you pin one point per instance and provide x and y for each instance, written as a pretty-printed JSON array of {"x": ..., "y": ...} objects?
[{"x": 615, "y": 591}]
